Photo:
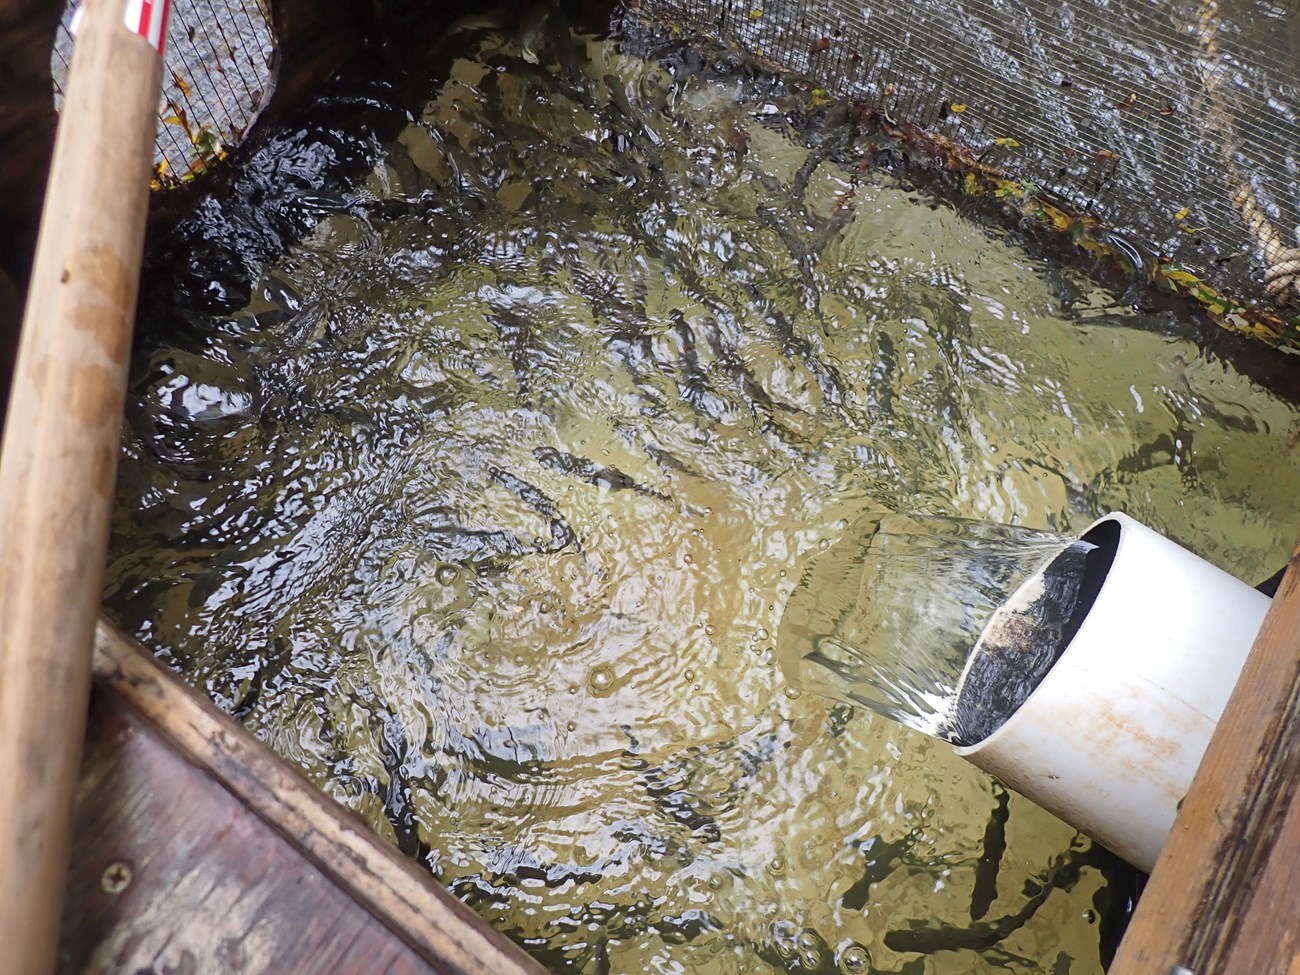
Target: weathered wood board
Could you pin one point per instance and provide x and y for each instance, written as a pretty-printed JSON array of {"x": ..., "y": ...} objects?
[
  {"x": 197, "y": 850},
  {"x": 170, "y": 873}
]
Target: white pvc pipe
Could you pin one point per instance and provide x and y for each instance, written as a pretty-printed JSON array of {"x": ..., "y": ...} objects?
[{"x": 1111, "y": 737}]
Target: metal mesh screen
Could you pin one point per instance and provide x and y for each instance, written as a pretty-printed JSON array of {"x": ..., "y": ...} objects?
[
  {"x": 1176, "y": 123},
  {"x": 217, "y": 76}
]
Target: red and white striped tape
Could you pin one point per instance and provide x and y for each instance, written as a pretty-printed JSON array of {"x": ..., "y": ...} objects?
[{"x": 148, "y": 18}]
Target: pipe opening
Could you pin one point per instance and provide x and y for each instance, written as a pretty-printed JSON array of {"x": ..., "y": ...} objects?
[{"x": 1026, "y": 637}]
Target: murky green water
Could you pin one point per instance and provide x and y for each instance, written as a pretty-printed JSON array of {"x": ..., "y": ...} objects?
[{"x": 485, "y": 508}]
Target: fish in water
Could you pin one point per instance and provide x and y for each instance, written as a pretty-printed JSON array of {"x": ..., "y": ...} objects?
[
  {"x": 562, "y": 535},
  {"x": 593, "y": 473}
]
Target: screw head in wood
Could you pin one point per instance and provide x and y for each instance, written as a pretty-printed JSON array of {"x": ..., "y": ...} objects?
[{"x": 116, "y": 877}]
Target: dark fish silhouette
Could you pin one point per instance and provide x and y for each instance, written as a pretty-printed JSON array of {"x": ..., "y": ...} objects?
[{"x": 593, "y": 473}]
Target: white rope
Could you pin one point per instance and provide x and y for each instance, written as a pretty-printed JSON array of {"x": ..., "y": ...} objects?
[{"x": 1281, "y": 261}]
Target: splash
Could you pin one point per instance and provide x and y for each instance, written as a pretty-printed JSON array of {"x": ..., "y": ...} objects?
[{"x": 943, "y": 624}]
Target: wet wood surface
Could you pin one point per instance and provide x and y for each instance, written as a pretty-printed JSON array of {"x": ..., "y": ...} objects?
[
  {"x": 171, "y": 874},
  {"x": 198, "y": 850},
  {"x": 1225, "y": 894}
]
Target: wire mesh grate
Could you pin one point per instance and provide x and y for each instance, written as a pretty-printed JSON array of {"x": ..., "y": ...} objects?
[
  {"x": 218, "y": 73},
  {"x": 1176, "y": 123}
]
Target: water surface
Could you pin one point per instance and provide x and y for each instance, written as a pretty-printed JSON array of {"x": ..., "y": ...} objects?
[{"x": 484, "y": 506}]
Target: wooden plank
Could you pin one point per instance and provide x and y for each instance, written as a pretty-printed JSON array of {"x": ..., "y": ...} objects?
[
  {"x": 1225, "y": 894},
  {"x": 61, "y": 442},
  {"x": 171, "y": 873},
  {"x": 393, "y": 889}
]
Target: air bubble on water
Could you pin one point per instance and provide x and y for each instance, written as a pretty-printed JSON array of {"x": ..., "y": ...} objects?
[
  {"x": 601, "y": 679},
  {"x": 793, "y": 693},
  {"x": 446, "y": 574},
  {"x": 854, "y": 959}
]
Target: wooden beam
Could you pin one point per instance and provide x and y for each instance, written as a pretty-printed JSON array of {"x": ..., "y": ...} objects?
[
  {"x": 393, "y": 888},
  {"x": 61, "y": 442},
  {"x": 1225, "y": 894}
]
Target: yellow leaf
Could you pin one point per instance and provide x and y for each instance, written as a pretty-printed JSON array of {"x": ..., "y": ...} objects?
[
  {"x": 1057, "y": 217},
  {"x": 1182, "y": 214},
  {"x": 969, "y": 185},
  {"x": 1184, "y": 278},
  {"x": 180, "y": 83},
  {"x": 756, "y": 13},
  {"x": 957, "y": 107},
  {"x": 1008, "y": 143}
]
